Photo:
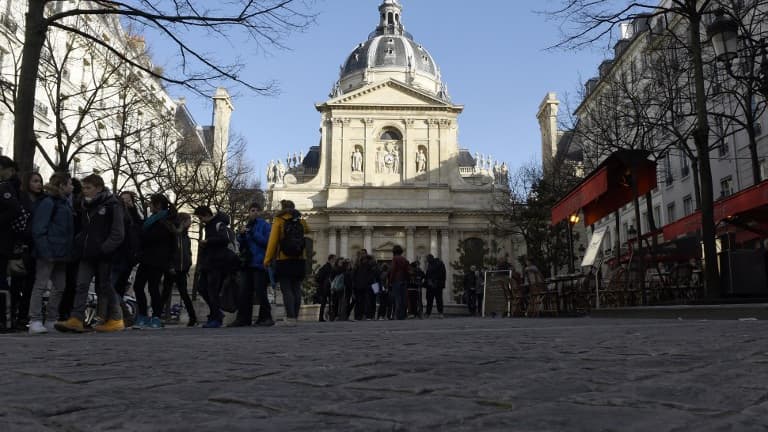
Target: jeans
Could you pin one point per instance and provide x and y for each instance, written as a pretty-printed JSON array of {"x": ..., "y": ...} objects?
[
  {"x": 291, "y": 289},
  {"x": 399, "y": 292},
  {"x": 434, "y": 293},
  {"x": 68, "y": 298},
  {"x": 255, "y": 281},
  {"x": 211, "y": 281},
  {"x": 21, "y": 291},
  {"x": 180, "y": 279},
  {"x": 46, "y": 270},
  {"x": 149, "y": 275},
  {"x": 101, "y": 270}
]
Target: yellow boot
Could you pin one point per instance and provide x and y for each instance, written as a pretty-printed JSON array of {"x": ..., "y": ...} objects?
[
  {"x": 72, "y": 325},
  {"x": 110, "y": 326}
]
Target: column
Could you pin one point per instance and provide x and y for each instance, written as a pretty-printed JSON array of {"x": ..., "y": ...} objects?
[
  {"x": 410, "y": 244},
  {"x": 344, "y": 247},
  {"x": 433, "y": 242},
  {"x": 445, "y": 256},
  {"x": 368, "y": 239},
  {"x": 332, "y": 241}
]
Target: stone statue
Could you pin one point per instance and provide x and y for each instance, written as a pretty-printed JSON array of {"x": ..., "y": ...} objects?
[
  {"x": 504, "y": 173},
  {"x": 477, "y": 163},
  {"x": 271, "y": 172},
  {"x": 288, "y": 160},
  {"x": 496, "y": 173},
  {"x": 396, "y": 160},
  {"x": 301, "y": 157},
  {"x": 421, "y": 161},
  {"x": 280, "y": 172},
  {"x": 357, "y": 161}
]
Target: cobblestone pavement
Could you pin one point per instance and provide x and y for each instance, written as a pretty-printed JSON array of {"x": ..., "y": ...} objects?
[{"x": 459, "y": 374}]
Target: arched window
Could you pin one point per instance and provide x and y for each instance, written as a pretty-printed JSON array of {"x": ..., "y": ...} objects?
[
  {"x": 391, "y": 19},
  {"x": 391, "y": 135}
]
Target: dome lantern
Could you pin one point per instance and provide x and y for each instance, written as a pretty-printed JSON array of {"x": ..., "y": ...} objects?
[{"x": 390, "y": 22}]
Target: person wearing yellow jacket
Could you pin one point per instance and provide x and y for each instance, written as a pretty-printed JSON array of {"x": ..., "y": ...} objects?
[{"x": 286, "y": 251}]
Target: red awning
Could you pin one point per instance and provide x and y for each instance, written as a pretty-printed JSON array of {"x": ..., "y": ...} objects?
[
  {"x": 751, "y": 203},
  {"x": 608, "y": 187}
]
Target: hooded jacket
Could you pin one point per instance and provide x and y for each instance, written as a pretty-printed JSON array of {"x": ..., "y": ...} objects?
[
  {"x": 276, "y": 235},
  {"x": 256, "y": 239},
  {"x": 102, "y": 230},
  {"x": 158, "y": 240},
  {"x": 216, "y": 254},
  {"x": 53, "y": 226},
  {"x": 9, "y": 209},
  {"x": 182, "y": 253}
]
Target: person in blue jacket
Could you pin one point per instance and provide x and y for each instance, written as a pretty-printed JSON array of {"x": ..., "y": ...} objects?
[
  {"x": 53, "y": 233},
  {"x": 253, "y": 239}
]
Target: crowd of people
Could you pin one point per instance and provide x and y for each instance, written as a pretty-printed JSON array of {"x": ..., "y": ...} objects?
[{"x": 60, "y": 238}]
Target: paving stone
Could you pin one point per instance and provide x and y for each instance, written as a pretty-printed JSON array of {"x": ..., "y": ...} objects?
[{"x": 463, "y": 374}]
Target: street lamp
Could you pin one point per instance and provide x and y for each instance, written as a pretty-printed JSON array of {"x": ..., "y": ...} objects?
[
  {"x": 572, "y": 220},
  {"x": 724, "y": 33}
]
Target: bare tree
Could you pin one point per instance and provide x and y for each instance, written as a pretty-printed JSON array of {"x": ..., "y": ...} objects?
[
  {"x": 585, "y": 22},
  {"x": 263, "y": 23}
]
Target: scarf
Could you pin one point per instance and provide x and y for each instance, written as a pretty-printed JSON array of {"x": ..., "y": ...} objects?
[{"x": 162, "y": 214}]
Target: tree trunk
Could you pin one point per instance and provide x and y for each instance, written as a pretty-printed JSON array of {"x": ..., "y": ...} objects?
[
  {"x": 701, "y": 140},
  {"x": 651, "y": 217},
  {"x": 749, "y": 118},
  {"x": 24, "y": 140},
  {"x": 696, "y": 182}
]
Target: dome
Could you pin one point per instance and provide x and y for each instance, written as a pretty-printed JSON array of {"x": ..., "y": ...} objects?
[{"x": 390, "y": 52}]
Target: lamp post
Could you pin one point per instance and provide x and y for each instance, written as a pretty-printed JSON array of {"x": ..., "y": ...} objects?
[
  {"x": 724, "y": 34},
  {"x": 573, "y": 220}
]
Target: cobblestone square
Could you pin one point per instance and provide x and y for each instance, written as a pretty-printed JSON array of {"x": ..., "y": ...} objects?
[{"x": 460, "y": 374}]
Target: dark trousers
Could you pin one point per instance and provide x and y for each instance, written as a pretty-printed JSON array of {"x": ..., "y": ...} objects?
[
  {"x": 68, "y": 298},
  {"x": 210, "y": 281},
  {"x": 180, "y": 280},
  {"x": 21, "y": 292},
  {"x": 399, "y": 292},
  {"x": 291, "y": 289},
  {"x": 339, "y": 305},
  {"x": 254, "y": 282},
  {"x": 385, "y": 305},
  {"x": 436, "y": 294},
  {"x": 324, "y": 300},
  {"x": 121, "y": 272},
  {"x": 4, "y": 300},
  {"x": 100, "y": 270},
  {"x": 149, "y": 275},
  {"x": 414, "y": 302}
]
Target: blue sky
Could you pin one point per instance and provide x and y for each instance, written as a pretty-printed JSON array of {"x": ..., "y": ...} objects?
[{"x": 491, "y": 53}]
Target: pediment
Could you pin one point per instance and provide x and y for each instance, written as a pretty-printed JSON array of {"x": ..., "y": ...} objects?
[{"x": 389, "y": 93}]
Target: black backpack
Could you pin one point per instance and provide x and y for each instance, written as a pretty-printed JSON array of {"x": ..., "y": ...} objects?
[{"x": 293, "y": 243}]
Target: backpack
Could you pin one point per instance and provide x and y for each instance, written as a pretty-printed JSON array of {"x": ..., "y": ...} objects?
[
  {"x": 293, "y": 243},
  {"x": 232, "y": 243},
  {"x": 337, "y": 286}
]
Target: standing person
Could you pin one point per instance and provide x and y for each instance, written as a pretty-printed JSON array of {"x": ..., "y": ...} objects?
[
  {"x": 398, "y": 281},
  {"x": 68, "y": 298},
  {"x": 470, "y": 289},
  {"x": 21, "y": 285},
  {"x": 215, "y": 261},
  {"x": 10, "y": 210},
  {"x": 385, "y": 299},
  {"x": 415, "y": 282},
  {"x": 157, "y": 242},
  {"x": 101, "y": 235},
  {"x": 53, "y": 232},
  {"x": 286, "y": 249},
  {"x": 323, "y": 280},
  {"x": 435, "y": 284},
  {"x": 253, "y": 239},
  {"x": 178, "y": 273},
  {"x": 127, "y": 257},
  {"x": 364, "y": 277}
]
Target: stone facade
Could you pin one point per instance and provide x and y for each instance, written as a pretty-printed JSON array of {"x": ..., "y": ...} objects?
[{"x": 388, "y": 172}]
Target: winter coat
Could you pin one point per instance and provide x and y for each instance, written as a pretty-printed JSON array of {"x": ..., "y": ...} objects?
[
  {"x": 182, "y": 252},
  {"x": 29, "y": 202},
  {"x": 158, "y": 240},
  {"x": 215, "y": 254},
  {"x": 323, "y": 278},
  {"x": 102, "y": 227},
  {"x": 53, "y": 227},
  {"x": 435, "y": 274},
  {"x": 131, "y": 247},
  {"x": 256, "y": 239},
  {"x": 9, "y": 210},
  {"x": 276, "y": 235},
  {"x": 470, "y": 280},
  {"x": 364, "y": 275}
]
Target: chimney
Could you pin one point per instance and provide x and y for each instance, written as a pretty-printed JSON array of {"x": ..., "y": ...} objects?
[{"x": 222, "y": 114}]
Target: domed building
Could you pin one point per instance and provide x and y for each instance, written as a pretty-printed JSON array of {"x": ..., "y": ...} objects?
[{"x": 389, "y": 169}]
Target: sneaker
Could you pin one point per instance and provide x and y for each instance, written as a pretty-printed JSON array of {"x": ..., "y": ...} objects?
[
  {"x": 212, "y": 323},
  {"x": 110, "y": 326},
  {"x": 37, "y": 327},
  {"x": 141, "y": 322},
  {"x": 72, "y": 325},
  {"x": 155, "y": 324}
]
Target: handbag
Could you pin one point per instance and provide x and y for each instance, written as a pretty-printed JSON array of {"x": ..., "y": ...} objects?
[{"x": 229, "y": 293}]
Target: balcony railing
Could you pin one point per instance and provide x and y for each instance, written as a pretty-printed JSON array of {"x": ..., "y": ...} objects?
[{"x": 41, "y": 109}]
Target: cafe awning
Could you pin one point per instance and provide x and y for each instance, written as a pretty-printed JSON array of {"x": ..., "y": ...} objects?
[
  {"x": 745, "y": 208},
  {"x": 608, "y": 187}
]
